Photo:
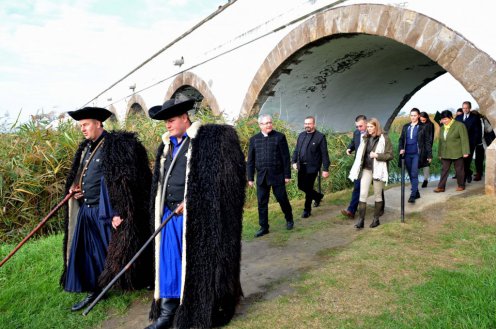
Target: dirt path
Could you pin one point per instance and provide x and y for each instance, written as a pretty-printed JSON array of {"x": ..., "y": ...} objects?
[{"x": 266, "y": 267}]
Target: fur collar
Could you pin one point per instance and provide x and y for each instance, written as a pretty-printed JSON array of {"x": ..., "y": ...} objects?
[{"x": 191, "y": 131}]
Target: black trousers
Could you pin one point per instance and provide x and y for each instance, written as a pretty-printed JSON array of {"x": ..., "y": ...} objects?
[
  {"x": 467, "y": 162},
  {"x": 305, "y": 183},
  {"x": 479, "y": 159},
  {"x": 263, "y": 194}
]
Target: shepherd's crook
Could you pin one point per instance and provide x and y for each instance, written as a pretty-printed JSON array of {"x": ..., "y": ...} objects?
[
  {"x": 128, "y": 265},
  {"x": 50, "y": 214}
]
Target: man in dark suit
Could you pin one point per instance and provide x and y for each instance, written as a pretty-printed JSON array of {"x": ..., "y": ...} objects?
[
  {"x": 361, "y": 129},
  {"x": 474, "y": 129},
  {"x": 268, "y": 154},
  {"x": 309, "y": 155}
]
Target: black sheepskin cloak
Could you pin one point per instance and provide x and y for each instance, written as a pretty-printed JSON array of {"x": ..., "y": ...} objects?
[
  {"x": 215, "y": 195},
  {"x": 128, "y": 179}
]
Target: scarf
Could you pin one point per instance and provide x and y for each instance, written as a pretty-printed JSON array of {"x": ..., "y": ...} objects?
[
  {"x": 447, "y": 127},
  {"x": 380, "y": 171}
]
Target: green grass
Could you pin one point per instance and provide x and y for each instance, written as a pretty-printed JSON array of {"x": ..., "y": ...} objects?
[
  {"x": 30, "y": 296},
  {"x": 431, "y": 272}
]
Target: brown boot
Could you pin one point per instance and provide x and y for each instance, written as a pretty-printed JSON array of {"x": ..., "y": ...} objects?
[
  {"x": 377, "y": 214},
  {"x": 362, "y": 207}
]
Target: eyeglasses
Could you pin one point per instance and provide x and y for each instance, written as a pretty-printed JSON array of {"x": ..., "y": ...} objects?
[{"x": 266, "y": 123}]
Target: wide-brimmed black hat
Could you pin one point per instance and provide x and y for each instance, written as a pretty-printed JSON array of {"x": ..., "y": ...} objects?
[
  {"x": 96, "y": 113},
  {"x": 171, "y": 108}
]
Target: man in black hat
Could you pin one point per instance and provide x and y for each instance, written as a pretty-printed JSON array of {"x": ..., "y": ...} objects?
[
  {"x": 107, "y": 219},
  {"x": 199, "y": 179}
]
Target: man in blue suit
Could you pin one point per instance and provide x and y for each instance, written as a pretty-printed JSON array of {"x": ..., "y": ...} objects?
[
  {"x": 360, "y": 131},
  {"x": 474, "y": 129}
]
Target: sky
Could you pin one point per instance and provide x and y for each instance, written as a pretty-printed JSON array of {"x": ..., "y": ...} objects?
[{"x": 57, "y": 55}]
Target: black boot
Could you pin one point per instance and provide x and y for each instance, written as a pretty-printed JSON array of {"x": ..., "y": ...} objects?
[
  {"x": 377, "y": 214},
  {"x": 168, "y": 307},
  {"x": 86, "y": 301},
  {"x": 362, "y": 207}
]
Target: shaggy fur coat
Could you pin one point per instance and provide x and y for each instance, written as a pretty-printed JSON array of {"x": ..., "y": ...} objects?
[
  {"x": 214, "y": 198},
  {"x": 128, "y": 179}
]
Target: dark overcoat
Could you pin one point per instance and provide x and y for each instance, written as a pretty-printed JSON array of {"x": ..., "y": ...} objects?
[
  {"x": 316, "y": 152},
  {"x": 424, "y": 142},
  {"x": 214, "y": 199},
  {"x": 128, "y": 178},
  {"x": 474, "y": 129}
]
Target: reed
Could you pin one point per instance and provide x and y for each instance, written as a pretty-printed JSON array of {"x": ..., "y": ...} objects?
[{"x": 35, "y": 160}]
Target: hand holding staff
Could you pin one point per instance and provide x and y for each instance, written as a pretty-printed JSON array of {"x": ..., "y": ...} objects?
[
  {"x": 177, "y": 211},
  {"x": 50, "y": 214}
]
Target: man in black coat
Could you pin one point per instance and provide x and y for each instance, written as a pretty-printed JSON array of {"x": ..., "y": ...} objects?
[
  {"x": 416, "y": 147},
  {"x": 309, "y": 155},
  {"x": 107, "y": 219},
  {"x": 268, "y": 154},
  {"x": 360, "y": 131},
  {"x": 199, "y": 180},
  {"x": 474, "y": 129}
]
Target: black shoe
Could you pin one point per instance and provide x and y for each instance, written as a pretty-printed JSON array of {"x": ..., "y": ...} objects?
[
  {"x": 411, "y": 199},
  {"x": 316, "y": 203},
  {"x": 417, "y": 195},
  {"x": 289, "y": 225},
  {"x": 306, "y": 214},
  {"x": 360, "y": 223},
  {"x": 375, "y": 223},
  {"x": 86, "y": 301},
  {"x": 261, "y": 232},
  {"x": 469, "y": 179},
  {"x": 424, "y": 184}
]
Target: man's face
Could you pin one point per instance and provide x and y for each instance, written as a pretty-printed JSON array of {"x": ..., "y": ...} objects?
[
  {"x": 91, "y": 129},
  {"x": 309, "y": 125},
  {"x": 177, "y": 126},
  {"x": 361, "y": 125},
  {"x": 465, "y": 108},
  {"x": 266, "y": 125},
  {"x": 414, "y": 117}
]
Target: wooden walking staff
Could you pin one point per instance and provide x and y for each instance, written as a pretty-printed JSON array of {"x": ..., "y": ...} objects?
[
  {"x": 44, "y": 220},
  {"x": 128, "y": 265}
]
